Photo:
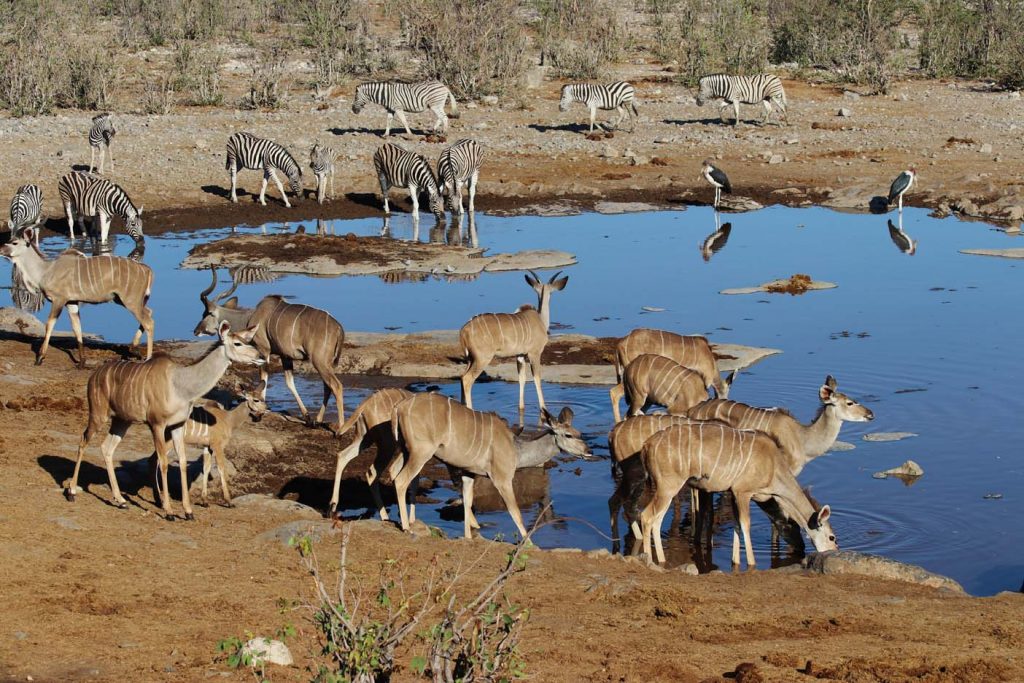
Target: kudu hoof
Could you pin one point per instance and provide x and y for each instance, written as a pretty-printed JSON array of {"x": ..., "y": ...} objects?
[
  {"x": 39, "y": 360},
  {"x": 70, "y": 495},
  {"x": 229, "y": 505},
  {"x": 121, "y": 505},
  {"x": 189, "y": 517}
]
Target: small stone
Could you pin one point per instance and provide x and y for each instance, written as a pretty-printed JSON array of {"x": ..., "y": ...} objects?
[
  {"x": 985, "y": 148},
  {"x": 266, "y": 651},
  {"x": 609, "y": 152},
  {"x": 775, "y": 159},
  {"x": 689, "y": 568},
  {"x": 599, "y": 553},
  {"x": 907, "y": 469},
  {"x": 20, "y": 635},
  {"x": 850, "y": 95},
  {"x": 844, "y": 112},
  {"x": 489, "y": 100}
]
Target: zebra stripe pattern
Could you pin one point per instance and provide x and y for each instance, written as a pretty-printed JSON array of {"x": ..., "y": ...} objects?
[
  {"x": 26, "y": 208},
  {"x": 24, "y": 298},
  {"x": 619, "y": 96},
  {"x": 245, "y": 151},
  {"x": 460, "y": 165},
  {"x": 86, "y": 194},
  {"x": 762, "y": 88},
  {"x": 321, "y": 160},
  {"x": 100, "y": 135},
  {"x": 397, "y": 98},
  {"x": 398, "y": 167}
]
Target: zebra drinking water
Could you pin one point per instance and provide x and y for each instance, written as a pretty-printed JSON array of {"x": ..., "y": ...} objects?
[
  {"x": 397, "y": 98},
  {"x": 398, "y": 167},
  {"x": 246, "y": 151},
  {"x": 86, "y": 194},
  {"x": 26, "y": 208},
  {"x": 321, "y": 160},
  {"x": 460, "y": 165},
  {"x": 619, "y": 96},
  {"x": 100, "y": 135},
  {"x": 763, "y": 88}
]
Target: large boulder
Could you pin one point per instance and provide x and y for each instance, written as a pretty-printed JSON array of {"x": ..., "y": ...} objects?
[{"x": 851, "y": 562}]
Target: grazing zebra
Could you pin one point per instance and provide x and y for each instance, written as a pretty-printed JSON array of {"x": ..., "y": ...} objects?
[
  {"x": 246, "y": 151},
  {"x": 618, "y": 96},
  {"x": 26, "y": 209},
  {"x": 398, "y": 167},
  {"x": 86, "y": 194},
  {"x": 398, "y": 97},
  {"x": 321, "y": 160},
  {"x": 763, "y": 88},
  {"x": 460, "y": 165},
  {"x": 101, "y": 133}
]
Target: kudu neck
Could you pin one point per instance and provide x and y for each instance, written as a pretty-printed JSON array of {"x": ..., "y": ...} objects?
[
  {"x": 821, "y": 434},
  {"x": 544, "y": 307},
  {"x": 33, "y": 267},
  {"x": 194, "y": 381}
]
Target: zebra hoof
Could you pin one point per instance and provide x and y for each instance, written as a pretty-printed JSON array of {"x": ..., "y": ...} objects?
[{"x": 69, "y": 494}]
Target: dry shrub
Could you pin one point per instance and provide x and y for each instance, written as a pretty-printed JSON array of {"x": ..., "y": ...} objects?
[
  {"x": 338, "y": 33},
  {"x": 90, "y": 73},
  {"x": 267, "y": 81},
  {"x": 158, "y": 97},
  {"x": 198, "y": 73},
  {"x": 581, "y": 37},
  {"x": 475, "y": 47},
  {"x": 973, "y": 38}
]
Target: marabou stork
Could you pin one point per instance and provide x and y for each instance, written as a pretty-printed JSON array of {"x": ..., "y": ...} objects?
[
  {"x": 901, "y": 239},
  {"x": 717, "y": 178},
  {"x": 899, "y": 187}
]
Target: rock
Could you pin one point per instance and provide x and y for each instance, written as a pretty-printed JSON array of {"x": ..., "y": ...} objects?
[
  {"x": 565, "y": 551},
  {"x": 852, "y": 562},
  {"x": 609, "y": 152},
  {"x": 780, "y": 286},
  {"x": 534, "y": 77},
  {"x": 885, "y": 437},
  {"x": 599, "y": 553},
  {"x": 490, "y": 100},
  {"x": 265, "y": 651},
  {"x": 66, "y": 523},
  {"x": 850, "y": 95},
  {"x": 840, "y": 446},
  {"x": 284, "y": 533},
  {"x": 624, "y": 207},
  {"x": 844, "y": 112},
  {"x": 985, "y": 148},
  {"x": 1014, "y": 252},
  {"x": 775, "y": 159},
  {"x": 638, "y": 160},
  {"x": 268, "y": 502},
  {"x": 19, "y": 322},
  {"x": 907, "y": 469},
  {"x": 214, "y": 485},
  {"x": 689, "y": 568},
  {"x": 735, "y": 203}
]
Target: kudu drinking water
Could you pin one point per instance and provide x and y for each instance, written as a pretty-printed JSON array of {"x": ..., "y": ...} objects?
[
  {"x": 714, "y": 457},
  {"x": 291, "y": 331},
  {"x": 73, "y": 279},
  {"x": 692, "y": 352},
  {"x": 650, "y": 379},
  {"x": 159, "y": 392},
  {"x": 522, "y": 334}
]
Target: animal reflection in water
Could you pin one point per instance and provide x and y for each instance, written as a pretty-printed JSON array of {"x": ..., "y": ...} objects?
[
  {"x": 901, "y": 239},
  {"x": 452, "y": 233},
  {"x": 716, "y": 241}
]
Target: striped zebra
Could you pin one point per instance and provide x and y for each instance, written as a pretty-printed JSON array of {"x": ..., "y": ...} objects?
[
  {"x": 398, "y": 97},
  {"x": 398, "y": 167},
  {"x": 248, "y": 152},
  {"x": 763, "y": 88},
  {"x": 101, "y": 133},
  {"x": 321, "y": 160},
  {"x": 460, "y": 165},
  {"x": 619, "y": 96},
  {"x": 26, "y": 209},
  {"x": 87, "y": 194}
]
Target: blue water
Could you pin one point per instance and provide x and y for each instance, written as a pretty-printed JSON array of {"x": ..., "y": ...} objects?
[{"x": 937, "y": 322}]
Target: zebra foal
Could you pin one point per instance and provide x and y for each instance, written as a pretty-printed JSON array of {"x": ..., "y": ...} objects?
[
  {"x": 397, "y": 98},
  {"x": 618, "y": 96},
  {"x": 398, "y": 167},
  {"x": 321, "y": 160},
  {"x": 86, "y": 194},
  {"x": 245, "y": 151},
  {"x": 460, "y": 165},
  {"x": 763, "y": 88},
  {"x": 101, "y": 133}
]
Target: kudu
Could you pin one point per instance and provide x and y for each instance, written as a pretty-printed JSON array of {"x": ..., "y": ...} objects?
[
  {"x": 522, "y": 334},
  {"x": 714, "y": 457},
  {"x": 73, "y": 279},
  {"x": 656, "y": 380},
  {"x": 468, "y": 441},
  {"x": 372, "y": 421},
  {"x": 692, "y": 352},
  {"x": 159, "y": 392},
  {"x": 291, "y": 331}
]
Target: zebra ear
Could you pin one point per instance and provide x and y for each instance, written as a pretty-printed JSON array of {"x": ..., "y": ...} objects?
[{"x": 140, "y": 210}]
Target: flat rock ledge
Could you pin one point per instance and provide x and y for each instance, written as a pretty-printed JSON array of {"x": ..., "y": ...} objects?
[
  {"x": 851, "y": 562},
  {"x": 333, "y": 255},
  {"x": 1014, "y": 252}
]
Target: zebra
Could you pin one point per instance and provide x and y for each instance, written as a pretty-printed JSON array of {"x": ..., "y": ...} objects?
[
  {"x": 619, "y": 96},
  {"x": 26, "y": 209},
  {"x": 87, "y": 194},
  {"x": 246, "y": 151},
  {"x": 101, "y": 133},
  {"x": 763, "y": 88},
  {"x": 398, "y": 97},
  {"x": 321, "y": 160},
  {"x": 459, "y": 165},
  {"x": 398, "y": 167}
]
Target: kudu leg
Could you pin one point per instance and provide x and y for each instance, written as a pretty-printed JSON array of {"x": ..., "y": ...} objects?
[
  {"x": 743, "y": 520},
  {"x": 535, "y": 368},
  {"x": 118, "y": 428},
  {"x": 178, "y": 438},
  {"x": 222, "y": 464},
  {"x": 504, "y": 487},
  {"x": 345, "y": 456},
  {"x": 521, "y": 367},
  {"x": 207, "y": 467},
  {"x": 467, "y": 505},
  {"x": 90, "y": 429},
  {"x": 162, "y": 446},
  {"x": 476, "y": 368},
  {"x": 417, "y": 459},
  {"x": 289, "y": 380},
  {"x": 76, "y": 326},
  {"x": 332, "y": 387},
  {"x": 55, "y": 309},
  {"x": 616, "y": 393}
]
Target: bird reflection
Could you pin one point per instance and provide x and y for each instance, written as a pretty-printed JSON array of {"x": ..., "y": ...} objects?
[
  {"x": 901, "y": 239},
  {"x": 714, "y": 242}
]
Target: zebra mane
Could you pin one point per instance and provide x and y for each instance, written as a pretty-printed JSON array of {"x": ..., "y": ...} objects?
[{"x": 100, "y": 117}]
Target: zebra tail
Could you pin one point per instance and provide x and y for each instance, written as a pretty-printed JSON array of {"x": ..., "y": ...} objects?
[
  {"x": 455, "y": 105},
  {"x": 632, "y": 104}
]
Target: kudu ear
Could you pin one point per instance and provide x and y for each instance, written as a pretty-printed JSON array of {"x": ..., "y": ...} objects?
[
  {"x": 825, "y": 393},
  {"x": 531, "y": 279},
  {"x": 230, "y": 303},
  {"x": 247, "y": 335},
  {"x": 223, "y": 329},
  {"x": 565, "y": 415},
  {"x": 28, "y": 233},
  {"x": 557, "y": 283},
  {"x": 819, "y": 517},
  {"x": 261, "y": 387},
  {"x": 830, "y": 382}
]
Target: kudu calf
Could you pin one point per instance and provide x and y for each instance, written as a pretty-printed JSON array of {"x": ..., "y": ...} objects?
[
  {"x": 291, "y": 331},
  {"x": 656, "y": 380},
  {"x": 73, "y": 279},
  {"x": 714, "y": 457},
  {"x": 522, "y": 334},
  {"x": 692, "y": 352},
  {"x": 159, "y": 392}
]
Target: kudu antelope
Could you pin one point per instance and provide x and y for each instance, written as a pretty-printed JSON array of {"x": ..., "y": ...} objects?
[
  {"x": 159, "y": 392},
  {"x": 714, "y": 457},
  {"x": 651, "y": 379},
  {"x": 291, "y": 331},
  {"x": 522, "y": 334},
  {"x": 468, "y": 441},
  {"x": 372, "y": 418},
  {"x": 73, "y": 279},
  {"x": 692, "y": 352}
]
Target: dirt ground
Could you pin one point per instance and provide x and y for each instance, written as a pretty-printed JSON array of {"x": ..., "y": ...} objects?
[{"x": 96, "y": 593}]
